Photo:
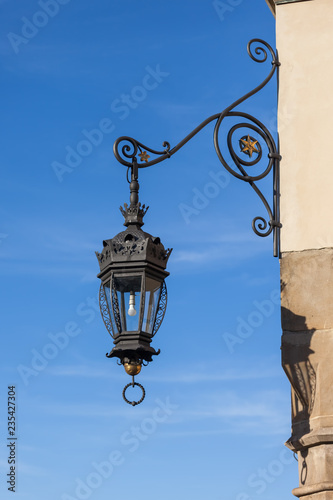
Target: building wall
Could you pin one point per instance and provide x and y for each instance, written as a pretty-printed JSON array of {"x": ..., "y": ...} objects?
[
  {"x": 304, "y": 42},
  {"x": 304, "y": 31}
]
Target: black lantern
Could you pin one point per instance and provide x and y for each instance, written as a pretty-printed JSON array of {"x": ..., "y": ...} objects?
[{"x": 133, "y": 294}]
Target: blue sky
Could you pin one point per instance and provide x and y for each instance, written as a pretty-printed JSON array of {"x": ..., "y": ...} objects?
[{"x": 216, "y": 415}]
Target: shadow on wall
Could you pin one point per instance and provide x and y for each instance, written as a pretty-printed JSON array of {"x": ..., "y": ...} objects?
[{"x": 296, "y": 362}]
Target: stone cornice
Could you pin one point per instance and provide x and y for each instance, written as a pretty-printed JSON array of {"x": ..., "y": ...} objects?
[
  {"x": 272, "y": 3},
  {"x": 312, "y": 489}
]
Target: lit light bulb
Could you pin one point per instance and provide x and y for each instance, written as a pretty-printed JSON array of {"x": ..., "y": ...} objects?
[{"x": 131, "y": 310}]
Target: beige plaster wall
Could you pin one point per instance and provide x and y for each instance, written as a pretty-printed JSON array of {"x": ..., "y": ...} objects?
[{"x": 305, "y": 45}]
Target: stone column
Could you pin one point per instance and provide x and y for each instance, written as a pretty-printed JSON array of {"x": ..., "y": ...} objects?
[{"x": 304, "y": 30}]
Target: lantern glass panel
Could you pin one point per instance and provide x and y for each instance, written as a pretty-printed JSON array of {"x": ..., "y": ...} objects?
[
  {"x": 153, "y": 291},
  {"x": 128, "y": 290},
  {"x": 107, "y": 291}
]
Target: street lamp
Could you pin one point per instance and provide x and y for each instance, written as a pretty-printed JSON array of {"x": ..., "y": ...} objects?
[
  {"x": 133, "y": 293},
  {"x": 132, "y": 264}
]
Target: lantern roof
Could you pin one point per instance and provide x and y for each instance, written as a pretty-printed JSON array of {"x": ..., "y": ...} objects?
[{"x": 133, "y": 246}]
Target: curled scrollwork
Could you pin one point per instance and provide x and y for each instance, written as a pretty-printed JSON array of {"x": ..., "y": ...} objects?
[
  {"x": 259, "y": 50},
  {"x": 260, "y": 225},
  {"x": 251, "y": 151},
  {"x": 130, "y": 149},
  {"x": 240, "y": 163}
]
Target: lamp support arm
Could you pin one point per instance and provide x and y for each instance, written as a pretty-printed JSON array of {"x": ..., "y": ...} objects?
[{"x": 126, "y": 149}]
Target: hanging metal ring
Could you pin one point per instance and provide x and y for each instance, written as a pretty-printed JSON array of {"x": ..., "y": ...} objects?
[{"x": 132, "y": 384}]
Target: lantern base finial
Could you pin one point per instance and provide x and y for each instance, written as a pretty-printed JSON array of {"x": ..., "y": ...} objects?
[{"x": 132, "y": 368}]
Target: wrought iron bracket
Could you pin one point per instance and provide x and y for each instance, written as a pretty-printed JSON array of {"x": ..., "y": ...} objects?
[{"x": 250, "y": 145}]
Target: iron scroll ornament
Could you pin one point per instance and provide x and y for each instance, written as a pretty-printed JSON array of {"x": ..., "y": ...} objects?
[{"x": 126, "y": 149}]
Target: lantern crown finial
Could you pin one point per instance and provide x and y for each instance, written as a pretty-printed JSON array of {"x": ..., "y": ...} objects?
[{"x": 134, "y": 214}]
